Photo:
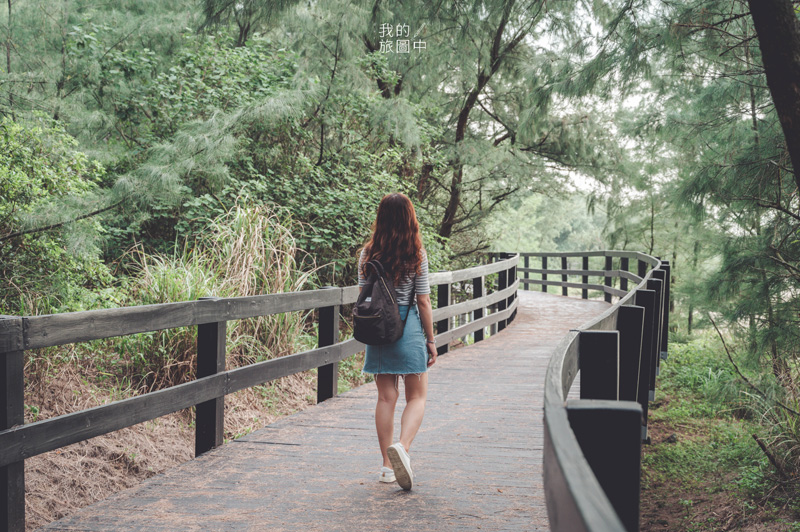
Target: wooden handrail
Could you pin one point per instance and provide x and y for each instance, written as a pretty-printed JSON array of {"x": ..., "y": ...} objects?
[
  {"x": 577, "y": 498},
  {"x": 19, "y": 441},
  {"x": 71, "y": 327},
  {"x": 581, "y": 493}
]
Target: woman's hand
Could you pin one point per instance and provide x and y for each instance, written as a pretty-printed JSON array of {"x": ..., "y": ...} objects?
[
  {"x": 426, "y": 317},
  {"x": 432, "y": 354}
]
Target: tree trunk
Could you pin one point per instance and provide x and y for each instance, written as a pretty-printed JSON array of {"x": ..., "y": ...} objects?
[
  {"x": 652, "y": 226},
  {"x": 672, "y": 277},
  {"x": 8, "y": 62},
  {"x": 448, "y": 220},
  {"x": 496, "y": 57},
  {"x": 695, "y": 255},
  {"x": 778, "y": 31},
  {"x": 62, "y": 80}
]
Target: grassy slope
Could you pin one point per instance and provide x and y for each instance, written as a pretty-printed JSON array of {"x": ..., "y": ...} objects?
[{"x": 704, "y": 470}]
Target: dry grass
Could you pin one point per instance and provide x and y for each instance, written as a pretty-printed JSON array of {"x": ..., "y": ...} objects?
[
  {"x": 248, "y": 252},
  {"x": 62, "y": 481}
]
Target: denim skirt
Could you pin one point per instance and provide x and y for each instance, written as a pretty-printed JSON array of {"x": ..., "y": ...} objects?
[{"x": 407, "y": 355}]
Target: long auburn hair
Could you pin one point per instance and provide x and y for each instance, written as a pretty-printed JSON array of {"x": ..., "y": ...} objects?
[{"x": 396, "y": 241}]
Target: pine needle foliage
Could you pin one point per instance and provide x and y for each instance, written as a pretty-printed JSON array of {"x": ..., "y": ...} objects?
[{"x": 732, "y": 173}]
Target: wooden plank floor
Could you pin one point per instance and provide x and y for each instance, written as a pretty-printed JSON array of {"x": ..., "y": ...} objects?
[{"x": 477, "y": 457}]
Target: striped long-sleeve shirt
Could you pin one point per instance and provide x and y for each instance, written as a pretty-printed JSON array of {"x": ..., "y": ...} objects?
[{"x": 403, "y": 288}]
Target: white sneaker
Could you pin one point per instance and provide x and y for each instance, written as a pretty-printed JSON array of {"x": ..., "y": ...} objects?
[
  {"x": 401, "y": 463},
  {"x": 387, "y": 475}
]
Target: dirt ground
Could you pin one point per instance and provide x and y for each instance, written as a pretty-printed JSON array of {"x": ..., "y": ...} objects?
[
  {"x": 59, "y": 482},
  {"x": 670, "y": 506}
]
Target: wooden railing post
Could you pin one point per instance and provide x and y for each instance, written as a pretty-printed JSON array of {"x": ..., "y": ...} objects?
[
  {"x": 585, "y": 278},
  {"x": 665, "y": 321},
  {"x": 502, "y": 284},
  {"x": 647, "y": 300},
  {"x": 608, "y": 279},
  {"x": 210, "y": 415},
  {"x": 477, "y": 291},
  {"x": 642, "y": 269},
  {"x": 564, "y": 290},
  {"x": 623, "y": 282},
  {"x": 544, "y": 275},
  {"x": 443, "y": 300},
  {"x": 608, "y": 434},
  {"x": 12, "y": 413},
  {"x": 598, "y": 361},
  {"x": 512, "y": 277},
  {"x": 328, "y": 334},
  {"x": 659, "y": 281},
  {"x": 630, "y": 324},
  {"x": 527, "y": 265}
]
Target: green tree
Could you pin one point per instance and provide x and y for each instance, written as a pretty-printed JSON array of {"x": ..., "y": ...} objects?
[
  {"x": 715, "y": 113},
  {"x": 42, "y": 274}
]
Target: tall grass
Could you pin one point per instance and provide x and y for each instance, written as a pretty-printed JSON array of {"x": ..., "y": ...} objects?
[
  {"x": 246, "y": 251},
  {"x": 702, "y": 373}
]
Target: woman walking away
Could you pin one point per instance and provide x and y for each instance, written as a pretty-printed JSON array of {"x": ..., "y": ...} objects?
[{"x": 397, "y": 244}]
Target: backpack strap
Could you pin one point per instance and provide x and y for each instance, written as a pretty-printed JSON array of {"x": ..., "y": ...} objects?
[
  {"x": 413, "y": 293},
  {"x": 377, "y": 266}
]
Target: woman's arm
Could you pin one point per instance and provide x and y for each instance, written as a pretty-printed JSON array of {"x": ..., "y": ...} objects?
[{"x": 426, "y": 316}]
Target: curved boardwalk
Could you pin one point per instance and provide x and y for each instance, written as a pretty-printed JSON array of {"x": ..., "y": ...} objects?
[{"x": 477, "y": 457}]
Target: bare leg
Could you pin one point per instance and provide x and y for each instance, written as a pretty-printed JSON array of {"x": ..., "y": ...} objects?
[
  {"x": 384, "y": 412},
  {"x": 416, "y": 394}
]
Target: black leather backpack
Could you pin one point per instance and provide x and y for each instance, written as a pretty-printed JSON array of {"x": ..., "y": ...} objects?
[{"x": 376, "y": 316}]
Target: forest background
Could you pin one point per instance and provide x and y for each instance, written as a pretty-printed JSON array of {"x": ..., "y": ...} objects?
[{"x": 163, "y": 151}]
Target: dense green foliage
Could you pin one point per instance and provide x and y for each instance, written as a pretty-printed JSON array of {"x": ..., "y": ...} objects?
[
  {"x": 133, "y": 132},
  {"x": 40, "y": 165},
  {"x": 705, "y": 444},
  {"x": 716, "y": 175}
]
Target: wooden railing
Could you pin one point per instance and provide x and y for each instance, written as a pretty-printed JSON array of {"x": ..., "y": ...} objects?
[
  {"x": 19, "y": 441},
  {"x": 592, "y": 448}
]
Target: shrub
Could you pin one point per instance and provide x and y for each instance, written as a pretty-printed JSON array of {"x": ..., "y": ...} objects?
[{"x": 247, "y": 251}]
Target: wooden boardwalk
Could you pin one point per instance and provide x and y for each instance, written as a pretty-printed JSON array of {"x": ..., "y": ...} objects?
[{"x": 477, "y": 457}]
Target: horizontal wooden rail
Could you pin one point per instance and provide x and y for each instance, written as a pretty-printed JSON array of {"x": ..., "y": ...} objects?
[
  {"x": 473, "y": 304},
  {"x": 591, "y": 273},
  {"x": 592, "y": 446},
  {"x": 589, "y": 286},
  {"x": 486, "y": 321},
  {"x": 60, "y": 329},
  {"x": 19, "y": 441},
  {"x": 467, "y": 274},
  {"x": 29, "y": 440},
  {"x": 651, "y": 261}
]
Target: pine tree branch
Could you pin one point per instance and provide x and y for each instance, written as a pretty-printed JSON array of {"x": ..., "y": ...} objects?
[
  {"x": 481, "y": 247},
  {"x": 60, "y": 224},
  {"x": 780, "y": 260},
  {"x": 741, "y": 42},
  {"x": 509, "y": 131},
  {"x": 771, "y": 458},
  {"x": 736, "y": 367},
  {"x": 775, "y": 206}
]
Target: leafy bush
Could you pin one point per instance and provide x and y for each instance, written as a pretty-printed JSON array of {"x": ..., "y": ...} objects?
[
  {"x": 700, "y": 368},
  {"x": 53, "y": 271}
]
